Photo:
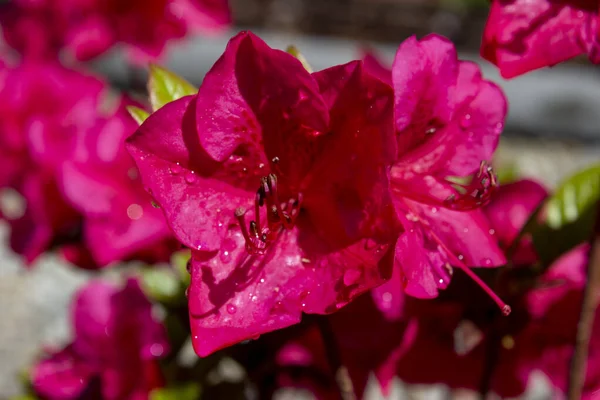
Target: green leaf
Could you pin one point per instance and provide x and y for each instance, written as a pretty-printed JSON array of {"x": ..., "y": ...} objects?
[
  {"x": 165, "y": 86},
  {"x": 293, "y": 50},
  {"x": 188, "y": 391},
  {"x": 179, "y": 261},
  {"x": 507, "y": 174},
  {"x": 162, "y": 284},
  {"x": 573, "y": 197},
  {"x": 138, "y": 114},
  {"x": 570, "y": 215}
]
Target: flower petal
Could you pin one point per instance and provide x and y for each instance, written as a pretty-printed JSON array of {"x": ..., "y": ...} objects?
[{"x": 524, "y": 35}]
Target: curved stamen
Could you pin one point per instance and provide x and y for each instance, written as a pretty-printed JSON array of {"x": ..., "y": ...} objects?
[
  {"x": 477, "y": 193},
  {"x": 279, "y": 215},
  {"x": 506, "y": 309}
]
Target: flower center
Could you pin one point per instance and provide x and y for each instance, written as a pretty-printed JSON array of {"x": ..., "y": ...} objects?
[
  {"x": 279, "y": 215},
  {"x": 477, "y": 193}
]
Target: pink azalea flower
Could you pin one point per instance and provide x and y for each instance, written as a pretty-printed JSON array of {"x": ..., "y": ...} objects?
[
  {"x": 509, "y": 210},
  {"x": 43, "y": 107},
  {"x": 524, "y": 35},
  {"x": 447, "y": 119},
  {"x": 88, "y": 28},
  {"x": 277, "y": 180},
  {"x": 115, "y": 350},
  {"x": 100, "y": 180}
]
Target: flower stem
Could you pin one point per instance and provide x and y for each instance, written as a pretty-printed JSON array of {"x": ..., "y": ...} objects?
[
  {"x": 342, "y": 377},
  {"x": 591, "y": 299}
]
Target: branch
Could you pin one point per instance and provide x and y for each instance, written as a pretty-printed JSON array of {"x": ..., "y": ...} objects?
[{"x": 591, "y": 299}]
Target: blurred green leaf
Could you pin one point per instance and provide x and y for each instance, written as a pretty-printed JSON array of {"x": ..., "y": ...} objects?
[
  {"x": 507, "y": 174},
  {"x": 24, "y": 397},
  {"x": 162, "y": 285},
  {"x": 570, "y": 215},
  {"x": 293, "y": 50},
  {"x": 179, "y": 261},
  {"x": 138, "y": 114},
  {"x": 573, "y": 197},
  {"x": 189, "y": 391},
  {"x": 165, "y": 86}
]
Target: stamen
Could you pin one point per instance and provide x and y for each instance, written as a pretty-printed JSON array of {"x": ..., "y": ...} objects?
[
  {"x": 505, "y": 308},
  {"x": 477, "y": 193},
  {"x": 279, "y": 215}
]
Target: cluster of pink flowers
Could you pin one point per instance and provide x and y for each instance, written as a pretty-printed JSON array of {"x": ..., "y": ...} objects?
[
  {"x": 361, "y": 192},
  {"x": 40, "y": 29}
]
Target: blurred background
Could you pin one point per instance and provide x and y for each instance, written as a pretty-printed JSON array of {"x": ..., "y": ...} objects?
[{"x": 552, "y": 130}]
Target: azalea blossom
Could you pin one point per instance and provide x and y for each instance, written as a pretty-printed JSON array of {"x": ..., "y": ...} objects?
[
  {"x": 277, "y": 179},
  {"x": 100, "y": 180},
  {"x": 448, "y": 120},
  {"x": 35, "y": 133},
  {"x": 115, "y": 350},
  {"x": 86, "y": 29},
  {"x": 524, "y": 35}
]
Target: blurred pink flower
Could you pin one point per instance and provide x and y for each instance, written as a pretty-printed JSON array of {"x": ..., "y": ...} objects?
[
  {"x": 448, "y": 120},
  {"x": 43, "y": 108},
  {"x": 509, "y": 210},
  {"x": 307, "y": 154},
  {"x": 88, "y": 28},
  {"x": 524, "y": 35},
  {"x": 101, "y": 181},
  {"x": 115, "y": 350}
]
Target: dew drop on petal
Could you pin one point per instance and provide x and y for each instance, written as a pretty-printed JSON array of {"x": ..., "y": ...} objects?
[
  {"x": 176, "y": 169},
  {"x": 433, "y": 210},
  {"x": 487, "y": 261},
  {"x": 190, "y": 177},
  {"x": 231, "y": 309},
  {"x": 262, "y": 280},
  {"x": 465, "y": 121},
  {"x": 466, "y": 230},
  {"x": 460, "y": 257},
  {"x": 156, "y": 350},
  {"x": 225, "y": 256},
  {"x": 492, "y": 231},
  {"x": 135, "y": 211},
  {"x": 254, "y": 298}
]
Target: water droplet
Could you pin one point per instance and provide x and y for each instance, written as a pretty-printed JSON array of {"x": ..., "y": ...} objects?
[
  {"x": 135, "y": 211},
  {"x": 190, "y": 177},
  {"x": 176, "y": 169},
  {"x": 387, "y": 297},
  {"x": 461, "y": 257},
  {"x": 262, "y": 280},
  {"x": 465, "y": 121},
  {"x": 412, "y": 217},
  {"x": 275, "y": 160},
  {"x": 225, "y": 257},
  {"x": 487, "y": 261},
  {"x": 156, "y": 350},
  {"x": 351, "y": 276},
  {"x": 430, "y": 131},
  {"x": 492, "y": 231},
  {"x": 231, "y": 309},
  {"x": 441, "y": 281},
  {"x": 466, "y": 230},
  {"x": 261, "y": 165},
  {"x": 370, "y": 244},
  {"x": 303, "y": 305},
  {"x": 254, "y": 298},
  {"x": 433, "y": 210},
  {"x": 276, "y": 289}
]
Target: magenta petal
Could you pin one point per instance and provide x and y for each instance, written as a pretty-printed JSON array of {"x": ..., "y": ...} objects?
[
  {"x": 511, "y": 207},
  {"x": 479, "y": 123},
  {"x": 234, "y": 296},
  {"x": 523, "y": 35},
  {"x": 62, "y": 376},
  {"x": 254, "y": 92},
  {"x": 375, "y": 67},
  {"x": 423, "y": 73},
  {"x": 160, "y": 149}
]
